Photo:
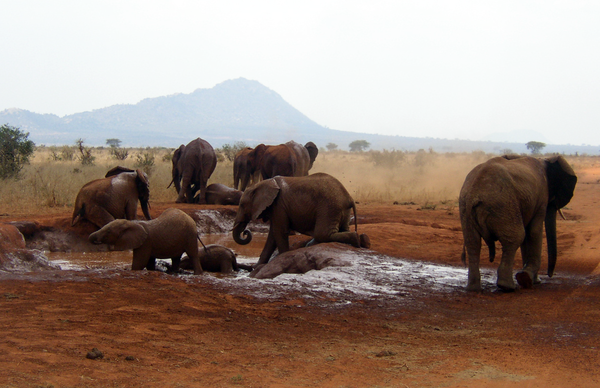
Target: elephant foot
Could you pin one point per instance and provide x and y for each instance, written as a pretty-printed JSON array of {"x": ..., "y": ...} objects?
[
  {"x": 506, "y": 286},
  {"x": 524, "y": 279},
  {"x": 365, "y": 241},
  {"x": 474, "y": 288}
]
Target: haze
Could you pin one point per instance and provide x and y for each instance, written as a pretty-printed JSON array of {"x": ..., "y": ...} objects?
[{"x": 446, "y": 69}]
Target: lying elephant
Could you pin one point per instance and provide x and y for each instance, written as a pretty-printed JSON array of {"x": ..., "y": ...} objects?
[
  {"x": 302, "y": 260},
  {"x": 166, "y": 237},
  {"x": 216, "y": 258},
  {"x": 219, "y": 194}
]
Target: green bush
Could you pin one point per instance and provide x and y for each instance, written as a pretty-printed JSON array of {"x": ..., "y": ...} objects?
[{"x": 15, "y": 150}]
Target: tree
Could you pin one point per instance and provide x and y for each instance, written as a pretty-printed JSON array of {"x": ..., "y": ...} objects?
[
  {"x": 230, "y": 150},
  {"x": 359, "y": 145},
  {"x": 331, "y": 146},
  {"x": 535, "y": 147},
  {"x": 85, "y": 156},
  {"x": 15, "y": 150},
  {"x": 114, "y": 143}
]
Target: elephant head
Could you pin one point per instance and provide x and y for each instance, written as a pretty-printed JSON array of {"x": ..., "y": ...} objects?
[
  {"x": 176, "y": 173},
  {"x": 561, "y": 184},
  {"x": 254, "y": 204},
  {"x": 120, "y": 235}
]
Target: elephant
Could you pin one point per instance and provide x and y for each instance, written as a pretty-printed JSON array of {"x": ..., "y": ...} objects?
[
  {"x": 510, "y": 199},
  {"x": 114, "y": 196},
  {"x": 219, "y": 194},
  {"x": 166, "y": 237},
  {"x": 193, "y": 164},
  {"x": 216, "y": 258},
  {"x": 289, "y": 159},
  {"x": 244, "y": 174},
  {"x": 317, "y": 205}
]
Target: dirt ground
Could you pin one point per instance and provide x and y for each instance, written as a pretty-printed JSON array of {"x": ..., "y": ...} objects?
[{"x": 159, "y": 330}]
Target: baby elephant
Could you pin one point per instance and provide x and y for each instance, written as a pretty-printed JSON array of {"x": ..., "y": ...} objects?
[
  {"x": 216, "y": 258},
  {"x": 165, "y": 237},
  {"x": 219, "y": 194}
]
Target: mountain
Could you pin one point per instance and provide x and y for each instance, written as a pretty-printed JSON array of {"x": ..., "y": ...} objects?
[{"x": 234, "y": 110}]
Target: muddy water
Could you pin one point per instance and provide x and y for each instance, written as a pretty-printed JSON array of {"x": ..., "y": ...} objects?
[{"x": 246, "y": 254}]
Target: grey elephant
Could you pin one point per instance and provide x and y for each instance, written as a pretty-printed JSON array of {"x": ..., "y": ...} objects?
[
  {"x": 509, "y": 199},
  {"x": 166, "y": 237},
  {"x": 114, "y": 196},
  {"x": 193, "y": 164},
  {"x": 216, "y": 258},
  {"x": 289, "y": 159},
  {"x": 317, "y": 205},
  {"x": 220, "y": 194},
  {"x": 244, "y": 173}
]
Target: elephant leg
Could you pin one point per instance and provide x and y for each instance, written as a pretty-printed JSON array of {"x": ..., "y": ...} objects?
[
  {"x": 141, "y": 259},
  {"x": 531, "y": 251},
  {"x": 185, "y": 193},
  {"x": 175, "y": 262},
  {"x": 505, "y": 269},
  {"x": 98, "y": 215},
  {"x": 194, "y": 256},
  {"x": 202, "y": 196},
  {"x": 151, "y": 266},
  {"x": 324, "y": 232},
  {"x": 473, "y": 248},
  {"x": 269, "y": 248}
]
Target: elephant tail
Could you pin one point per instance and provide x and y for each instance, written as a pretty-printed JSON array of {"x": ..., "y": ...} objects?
[
  {"x": 78, "y": 214},
  {"x": 355, "y": 217},
  {"x": 463, "y": 255},
  {"x": 170, "y": 183},
  {"x": 492, "y": 249}
]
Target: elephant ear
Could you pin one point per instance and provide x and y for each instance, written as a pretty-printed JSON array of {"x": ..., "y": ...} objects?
[
  {"x": 264, "y": 196},
  {"x": 117, "y": 170},
  {"x": 313, "y": 151},
  {"x": 132, "y": 236},
  {"x": 561, "y": 181},
  {"x": 143, "y": 185}
]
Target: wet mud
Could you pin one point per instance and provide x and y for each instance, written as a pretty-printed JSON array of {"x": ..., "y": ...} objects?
[{"x": 394, "y": 315}]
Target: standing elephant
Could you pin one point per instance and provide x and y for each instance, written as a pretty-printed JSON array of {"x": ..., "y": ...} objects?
[
  {"x": 509, "y": 199},
  {"x": 289, "y": 159},
  {"x": 317, "y": 205},
  {"x": 192, "y": 166},
  {"x": 114, "y": 196},
  {"x": 219, "y": 194},
  {"x": 166, "y": 237},
  {"x": 244, "y": 173}
]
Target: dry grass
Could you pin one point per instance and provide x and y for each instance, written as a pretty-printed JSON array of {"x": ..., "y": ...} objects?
[{"x": 427, "y": 179}]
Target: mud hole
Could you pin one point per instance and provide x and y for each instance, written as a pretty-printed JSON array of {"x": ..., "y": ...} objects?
[{"x": 395, "y": 316}]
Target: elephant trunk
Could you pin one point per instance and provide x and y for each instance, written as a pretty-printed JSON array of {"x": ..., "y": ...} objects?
[
  {"x": 550, "y": 224},
  {"x": 145, "y": 208},
  {"x": 239, "y": 229}
]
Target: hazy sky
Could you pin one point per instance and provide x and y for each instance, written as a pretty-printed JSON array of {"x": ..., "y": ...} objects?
[{"x": 448, "y": 69}]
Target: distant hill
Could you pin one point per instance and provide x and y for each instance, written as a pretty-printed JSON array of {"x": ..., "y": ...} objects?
[{"x": 234, "y": 110}]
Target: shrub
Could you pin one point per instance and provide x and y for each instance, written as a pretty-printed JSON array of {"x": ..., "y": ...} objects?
[{"x": 15, "y": 150}]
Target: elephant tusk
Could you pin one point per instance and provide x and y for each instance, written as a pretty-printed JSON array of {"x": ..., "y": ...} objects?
[{"x": 561, "y": 214}]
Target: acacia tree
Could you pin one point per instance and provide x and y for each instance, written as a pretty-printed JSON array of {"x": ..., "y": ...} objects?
[
  {"x": 359, "y": 145},
  {"x": 15, "y": 150},
  {"x": 535, "y": 147},
  {"x": 331, "y": 146}
]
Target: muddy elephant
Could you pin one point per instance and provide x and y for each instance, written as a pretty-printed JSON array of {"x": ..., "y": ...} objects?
[
  {"x": 193, "y": 164},
  {"x": 216, "y": 258},
  {"x": 114, "y": 196},
  {"x": 510, "y": 199},
  {"x": 166, "y": 237},
  {"x": 244, "y": 172},
  {"x": 220, "y": 194},
  {"x": 317, "y": 205},
  {"x": 289, "y": 159}
]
